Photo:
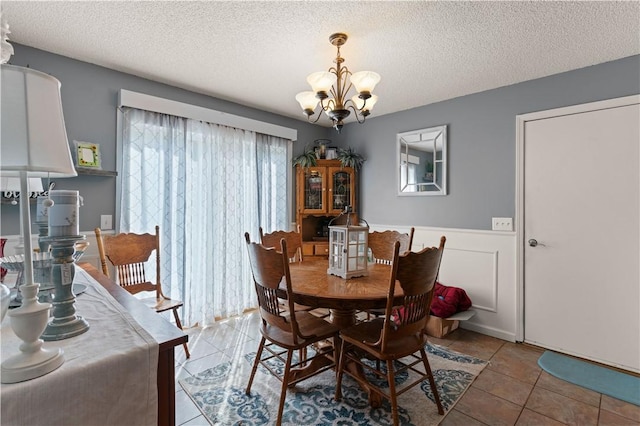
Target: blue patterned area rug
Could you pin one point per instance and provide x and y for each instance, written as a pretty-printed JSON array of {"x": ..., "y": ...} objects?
[{"x": 219, "y": 392}]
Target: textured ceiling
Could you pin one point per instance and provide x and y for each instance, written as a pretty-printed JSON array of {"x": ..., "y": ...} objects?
[{"x": 259, "y": 53}]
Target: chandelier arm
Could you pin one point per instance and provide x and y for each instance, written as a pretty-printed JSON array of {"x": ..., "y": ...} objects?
[
  {"x": 316, "y": 119},
  {"x": 328, "y": 107},
  {"x": 356, "y": 112}
]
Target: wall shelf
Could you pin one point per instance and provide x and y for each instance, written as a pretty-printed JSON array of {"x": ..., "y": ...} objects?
[{"x": 95, "y": 172}]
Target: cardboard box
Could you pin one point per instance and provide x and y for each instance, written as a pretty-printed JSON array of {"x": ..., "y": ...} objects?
[{"x": 440, "y": 327}]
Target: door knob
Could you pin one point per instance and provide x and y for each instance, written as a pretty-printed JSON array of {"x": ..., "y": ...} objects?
[{"x": 534, "y": 243}]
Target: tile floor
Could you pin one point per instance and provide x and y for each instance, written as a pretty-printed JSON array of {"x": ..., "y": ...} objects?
[{"x": 511, "y": 390}]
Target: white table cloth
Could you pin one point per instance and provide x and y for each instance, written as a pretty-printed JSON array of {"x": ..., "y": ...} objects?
[{"x": 109, "y": 376}]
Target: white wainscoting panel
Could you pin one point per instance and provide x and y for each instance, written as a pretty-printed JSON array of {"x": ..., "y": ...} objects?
[{"x": 483, "y": 263}]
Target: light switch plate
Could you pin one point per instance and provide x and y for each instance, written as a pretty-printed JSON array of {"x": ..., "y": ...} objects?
[
  {"x": 502, "y": 224},
  {"x": 106, "y": 222}
]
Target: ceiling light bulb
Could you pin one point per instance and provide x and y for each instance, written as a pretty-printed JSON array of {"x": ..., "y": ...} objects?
[{"x": 365, "y": 81}]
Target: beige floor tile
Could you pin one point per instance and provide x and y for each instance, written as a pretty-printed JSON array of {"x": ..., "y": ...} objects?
[
  {"x": 621, "y": 408},
  {"x": 198, "y": 348},
  {"x": 531, "y": 418},
  {"x": 517, "y": 361},
  {"x": 609, "y": 419},
  {"x": 185, "y": 408},
  {"x": 487, "y": 408},
  {"x": 549, "y": 382},
  {"x": 195, "y": 366},
  {"x": 456, "y": 418},
  {"x": 198, "y": 421},
  {"x": 475, "y": 344},
  {"x": 505, "y": 387},
  {"x": 561, "y": 408},
  {"x": 222, "y": 335}
]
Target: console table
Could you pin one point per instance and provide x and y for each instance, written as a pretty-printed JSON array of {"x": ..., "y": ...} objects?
[
  {"x": 121, "y": 371},
  {"x": 166, "y": 334}
]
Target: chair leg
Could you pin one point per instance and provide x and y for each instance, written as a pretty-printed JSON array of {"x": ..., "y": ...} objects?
[
  {"x": 255, "y": 365},
  {"x": 432, "y": 381},
  {"x": 392, "y": 392},
  {"x": 285, "y": 383},
  {"x": 179, "y": 324},
  {"x": 340, "y": 372}
]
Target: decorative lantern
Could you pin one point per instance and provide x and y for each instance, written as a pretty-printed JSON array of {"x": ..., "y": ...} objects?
[{"x": 348, "y": 248}]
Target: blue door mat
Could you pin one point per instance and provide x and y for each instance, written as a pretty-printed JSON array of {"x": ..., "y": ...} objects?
[{"x": 624, "y": 387}]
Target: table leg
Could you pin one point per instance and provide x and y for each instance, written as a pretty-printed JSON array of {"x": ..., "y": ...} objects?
[
  {"x": 166, "y": 388},
  {"x": 343, "y": 318}
]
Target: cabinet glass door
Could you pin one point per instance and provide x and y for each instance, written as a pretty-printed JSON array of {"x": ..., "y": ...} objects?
[
  {"x": 341, "y": 184},
  {"x": 313, "y": 189}
]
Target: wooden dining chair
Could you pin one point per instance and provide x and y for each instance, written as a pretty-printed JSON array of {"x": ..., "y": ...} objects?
[
  {"x": 294, "y": 253},
  {"x": 128, "y": 253},
  {"x": 382, "y": 244},
  {"x": 293, "y": 239},
  {"x": 401, "y": 333},
  {"x": 285, "y": 331}
]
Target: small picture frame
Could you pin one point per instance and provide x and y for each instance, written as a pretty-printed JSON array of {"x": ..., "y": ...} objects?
[
  {"x": 332, "y": 153},
  {"x": 87, "y": 155}
]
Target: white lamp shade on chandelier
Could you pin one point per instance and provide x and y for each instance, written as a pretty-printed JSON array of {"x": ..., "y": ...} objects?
[{"x": 34, "y": 137}]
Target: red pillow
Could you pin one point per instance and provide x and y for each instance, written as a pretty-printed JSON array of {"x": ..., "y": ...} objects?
[{"x": 448, "y": 301}]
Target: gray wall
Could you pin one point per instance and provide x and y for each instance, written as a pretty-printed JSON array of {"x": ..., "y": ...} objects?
[
  {"x": 89, "y": 99},
  {"x": 481, "y": 150}
]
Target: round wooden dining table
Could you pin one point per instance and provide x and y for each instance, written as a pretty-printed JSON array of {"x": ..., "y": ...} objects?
[{"x": 313, "y": 286}]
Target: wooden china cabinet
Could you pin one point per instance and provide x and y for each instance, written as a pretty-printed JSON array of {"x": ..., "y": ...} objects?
[{"x": 322, "y": 192}]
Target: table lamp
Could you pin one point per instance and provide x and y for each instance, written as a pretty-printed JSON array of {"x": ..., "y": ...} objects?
[{"x": 33, "y": 144}]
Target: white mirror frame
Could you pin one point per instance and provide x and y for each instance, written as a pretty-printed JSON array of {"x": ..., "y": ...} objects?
[{"x": 414, "y": 178}]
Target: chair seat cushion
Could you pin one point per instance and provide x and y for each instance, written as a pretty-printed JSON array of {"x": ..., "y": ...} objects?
[
  {"x": 369, "y": 331},
  {"x": 309, "y": 325},
  {"x": 161, "y": 305}
]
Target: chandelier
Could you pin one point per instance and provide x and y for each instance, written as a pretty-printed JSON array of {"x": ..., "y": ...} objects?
[{"x": 331, "y": 88}]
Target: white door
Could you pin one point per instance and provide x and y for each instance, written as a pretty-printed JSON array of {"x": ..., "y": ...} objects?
[{"x": 581, "y": 202}]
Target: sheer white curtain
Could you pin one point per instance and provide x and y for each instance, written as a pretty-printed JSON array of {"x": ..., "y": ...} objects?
[{"x": 204, "y": 185}]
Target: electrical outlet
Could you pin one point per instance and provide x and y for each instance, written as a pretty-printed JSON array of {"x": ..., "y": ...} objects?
[
  {"x": 106, "y": 222},
  {"x": 502, "y": 224}
]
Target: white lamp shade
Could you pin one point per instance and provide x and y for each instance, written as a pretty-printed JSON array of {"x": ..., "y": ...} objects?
[
  {"x": 307, "y": 100},
  {"x": 321, "y": 81},
  {"x": 359, "y": 103},
  {"x": 13, "y": 184},
  {"x": 365, "y": 81},
  {"x": 33, "y": 136}
]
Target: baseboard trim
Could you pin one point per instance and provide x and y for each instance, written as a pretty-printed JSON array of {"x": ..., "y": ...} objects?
[{"x": 489, "y": 331}]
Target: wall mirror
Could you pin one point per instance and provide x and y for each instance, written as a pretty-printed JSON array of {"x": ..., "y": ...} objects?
[{"x": 422, "y": 161}]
